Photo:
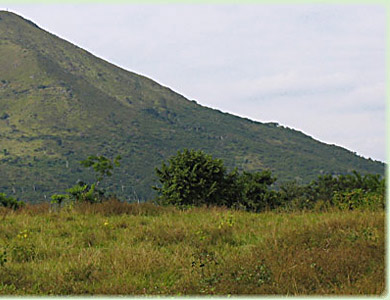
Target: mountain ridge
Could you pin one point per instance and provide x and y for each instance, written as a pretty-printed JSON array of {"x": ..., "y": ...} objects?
[{"x": 60, "y": 103}]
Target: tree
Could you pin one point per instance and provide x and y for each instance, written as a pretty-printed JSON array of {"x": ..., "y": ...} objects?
[
  {"x": 256, "y": 195},
  {"x": 344, "y": 191},
  {"x": 10, "y": 202},
  {"x": 101, "y": 165},
  {"x": 82, "y": 192},
  {"x": 195, "y": 178},
  {"x": 191, "y": 178},
  {"x": 58, "y": 199}
]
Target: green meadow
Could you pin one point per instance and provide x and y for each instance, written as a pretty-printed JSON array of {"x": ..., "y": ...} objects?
[{"x": 114, "y": 248}]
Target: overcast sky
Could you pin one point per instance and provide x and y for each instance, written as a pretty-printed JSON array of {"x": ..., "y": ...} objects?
[{"x": 316, "y": 68}]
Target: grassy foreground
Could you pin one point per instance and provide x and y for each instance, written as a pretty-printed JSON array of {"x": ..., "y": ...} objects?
[{"x": 114, "y": 248}]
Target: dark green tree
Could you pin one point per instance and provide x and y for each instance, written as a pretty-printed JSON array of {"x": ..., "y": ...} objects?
[
  {"x": 195, "y": 178},
  {"x": 256, "y": 192},
  {"x": 345, "y": 191},
  {"x": 191, "y": 178}
]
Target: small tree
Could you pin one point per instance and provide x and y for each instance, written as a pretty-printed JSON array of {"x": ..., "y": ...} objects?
[
  {"x": 82, "y": 192},
  {"x": 101, "y": 165},
  {"x": 191, "y": 178},
  {"x": 58, "y": 199},
  {"x": 10, "y": 202}
]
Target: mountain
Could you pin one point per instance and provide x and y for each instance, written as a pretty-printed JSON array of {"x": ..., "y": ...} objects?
[{"x": 59, "y": 104}]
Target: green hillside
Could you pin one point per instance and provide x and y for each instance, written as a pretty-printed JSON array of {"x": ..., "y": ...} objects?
[{"x": 59, "y": 104}]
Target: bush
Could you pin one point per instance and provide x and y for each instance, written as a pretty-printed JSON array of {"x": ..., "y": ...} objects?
[
  {"x": 82, "y": 192},
  {"x": 10, "y": 202},
  {"x": 256, "y": 195},
  {"x": 191, "y": 178},
  {"x": 85, "y": 193},
  {"x": 58, "y": 198},
  {"x": 358, "y": 199},
  {"x": 349, "y": 191},
  {"x": 195, "y": 178}
]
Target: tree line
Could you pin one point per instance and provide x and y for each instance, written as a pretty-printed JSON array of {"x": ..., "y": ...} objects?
[{"x": 194, "y": 178}]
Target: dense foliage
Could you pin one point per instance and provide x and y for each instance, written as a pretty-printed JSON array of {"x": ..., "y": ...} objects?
[
  {"x": 254, "y": 191},
  {"x": 348, "y": 191},
  {"x": 191, "y": 178},
  {"x": 195, "y": 178}
]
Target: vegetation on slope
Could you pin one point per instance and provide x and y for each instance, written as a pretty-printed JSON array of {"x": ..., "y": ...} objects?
[
  {"x": 59, "y": 103},
  {"x": 142, "y": 249},
  {"x": 195, "y": 178}
]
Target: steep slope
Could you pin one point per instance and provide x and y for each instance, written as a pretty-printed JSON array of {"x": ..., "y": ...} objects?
[{"x": 59, "y": 103}]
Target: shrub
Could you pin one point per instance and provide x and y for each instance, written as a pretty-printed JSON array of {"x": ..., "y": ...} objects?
[
  {"x": 82, "y": 192},
  {"x": 191, "y": 178},
  {"x": 58, "y": 198},
  {"x": 85, "y": 193},
  {"x": 256, "y": 195},
  {"x": 10, "y": 202},
  {"x": 195, "y": 178},
  {"x": 358, "y": 199},
  {"x": 349, "y": 191}
]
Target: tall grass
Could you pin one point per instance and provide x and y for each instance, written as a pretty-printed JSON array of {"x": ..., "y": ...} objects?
[{"x": 142, "y": 249}]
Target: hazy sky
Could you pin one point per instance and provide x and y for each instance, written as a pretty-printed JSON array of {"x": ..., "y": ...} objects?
[{"x": 316, "y": 68}]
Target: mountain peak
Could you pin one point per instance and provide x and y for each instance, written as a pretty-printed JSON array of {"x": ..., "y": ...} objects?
[{"x": 10, "y": 16}]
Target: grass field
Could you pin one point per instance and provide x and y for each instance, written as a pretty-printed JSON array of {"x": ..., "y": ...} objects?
[{"x": 141, "y": 249}]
